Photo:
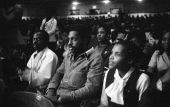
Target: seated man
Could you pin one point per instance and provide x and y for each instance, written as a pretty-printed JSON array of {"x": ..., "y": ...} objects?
[
  {"x": 123, "y": 85},
  {"x": 80, "y": 75},
  {"x": 42, "y": 64}
]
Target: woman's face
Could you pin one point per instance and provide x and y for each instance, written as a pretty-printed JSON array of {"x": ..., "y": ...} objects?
[
  {"x": 118, "y": 56},
  {"x": 151, "y": 40},
  {"x": 166, "y": 41}
]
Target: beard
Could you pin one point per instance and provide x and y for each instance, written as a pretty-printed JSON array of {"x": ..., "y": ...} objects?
[
  {"x": 35, "y": 47},
  {"x": 71, "y": 49},
  {"x": 38, "y": 47}
]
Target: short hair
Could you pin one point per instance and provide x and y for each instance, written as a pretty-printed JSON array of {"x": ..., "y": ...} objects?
[
  {"x": 106, "y": 28},
  {"x": 131, "y": 49},
  {"x": 83, "y": 31},
  {"x": 44, "y": 35}
]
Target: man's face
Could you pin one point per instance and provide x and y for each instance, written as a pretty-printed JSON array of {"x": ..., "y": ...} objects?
[
  {"x": 38, "y": 42},
  {"x": 166, "y": 41},
  {"x": 101, "y": 35},
  {"x": 74, "y": 41},
  {"x": 118, "y": 56}
]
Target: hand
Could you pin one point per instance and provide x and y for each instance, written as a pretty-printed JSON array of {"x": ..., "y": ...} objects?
[
  {"x": 64, "y": 97},
  {"x": 159, "y": 85},
  {"x": 50, "y": 92},
  {"x": 59, "y": 100},
  {"x": 53, "y": 98},
  {"x": 19, "y": 71},
  {"x": 153, "y": 60}
]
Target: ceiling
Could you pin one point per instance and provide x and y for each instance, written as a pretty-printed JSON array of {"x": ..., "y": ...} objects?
[
  {"x": 84, "y": 1},
  {"x": 59, "y": 2}
]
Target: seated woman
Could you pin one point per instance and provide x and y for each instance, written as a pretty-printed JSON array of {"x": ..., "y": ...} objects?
[
  {"x": 159, "y": 66},
  {"x": 123, "y": 85}
]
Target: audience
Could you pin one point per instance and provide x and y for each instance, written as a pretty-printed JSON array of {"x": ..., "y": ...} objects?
[{"x": 78, "y": 79}]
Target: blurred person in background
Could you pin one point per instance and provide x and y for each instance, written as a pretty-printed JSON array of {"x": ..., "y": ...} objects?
[
  {"x": 138, "y": 38},
  {"x": 11, "y": 16},
  {"x": 49, "y": 24},
  {"x": 159, "y": 68},
  {"x": 104, "y": 46},
  {"x": 153, "y": 41},
  {"x": 61, "y": 45}
]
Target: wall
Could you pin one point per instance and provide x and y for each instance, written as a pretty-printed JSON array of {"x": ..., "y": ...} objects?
[
  {"x": 63, "y": 9},
  {"x": 147, "y": 7}
]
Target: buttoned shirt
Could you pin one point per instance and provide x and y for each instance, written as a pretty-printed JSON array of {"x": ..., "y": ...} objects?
[
  {"x": 41, "y": 66},
  {"x": 82, "y": 76}
]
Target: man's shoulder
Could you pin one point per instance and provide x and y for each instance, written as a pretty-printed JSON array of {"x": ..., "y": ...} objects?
[
  {"x": 93, "y": 53},
  {"x": 49, "y": 52},
  {"x": 32, "y": 55}
]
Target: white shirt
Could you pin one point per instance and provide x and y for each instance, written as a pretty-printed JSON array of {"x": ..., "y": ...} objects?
[
  {"x": 41, "y": 67},
  {"x": 115, "y": 90},
  {"x": 162, "y": 63},
  {"x": 50, "y": 27}
]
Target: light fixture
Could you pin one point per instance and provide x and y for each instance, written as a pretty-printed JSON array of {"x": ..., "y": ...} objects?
[
  {"x": 139, "y": 0},
  {"x": 106, "y": 1},
  {"x": 74, "y": 8},
  {"x": 94, "y": 7},
  {"x": 108, "y": 13},
  {"x": 75, "y": 3}
]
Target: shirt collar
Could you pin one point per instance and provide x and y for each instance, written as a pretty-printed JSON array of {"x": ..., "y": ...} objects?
[
  {"x": 85, "y": 54},
  {"x": 126, "y": 76},
  {"x": 42, "y": 51}
]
